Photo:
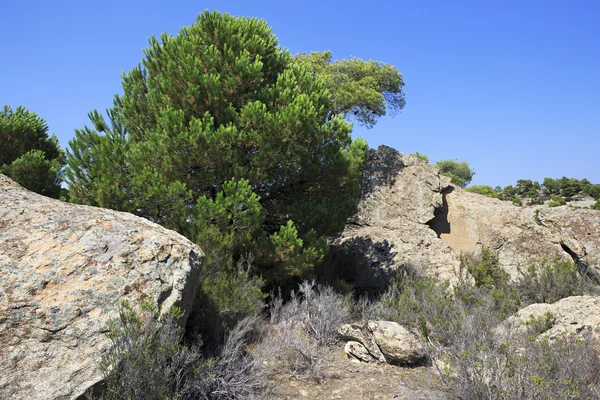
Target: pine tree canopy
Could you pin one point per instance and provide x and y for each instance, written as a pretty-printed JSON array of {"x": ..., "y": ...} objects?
[
  {"x": 365, "y": 90},
  {"x": 225, "y": 137}
]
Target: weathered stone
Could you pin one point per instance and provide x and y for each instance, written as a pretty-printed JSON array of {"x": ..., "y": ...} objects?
[
  {"x": 64, "y": 269},
  {"x": 399, "y": 197},
  {"x": 398, "y": 344},
  {"x": 361, "y": 334},
  {"x": 409, "y": 215},
  {"x": 358, "y": 351},
  {"x": 573, "y": 316}
]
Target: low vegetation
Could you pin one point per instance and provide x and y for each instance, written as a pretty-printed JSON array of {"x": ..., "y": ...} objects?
[
  {"x": 478, "y": 356},
  {"x": 554, "y": 192}
]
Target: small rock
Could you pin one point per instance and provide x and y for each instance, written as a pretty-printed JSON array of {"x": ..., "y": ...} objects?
[
  {"x": 358, "y": 351},
  {"x": 398, "y": 344}
]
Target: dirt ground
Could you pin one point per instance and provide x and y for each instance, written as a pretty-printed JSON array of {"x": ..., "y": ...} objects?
[{"x": 344, "y": 379}]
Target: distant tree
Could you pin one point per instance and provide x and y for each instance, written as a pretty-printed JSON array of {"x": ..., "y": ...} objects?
[
  {"x": 523, "y": 186},
  {"x": 592, "y": 190},
  {"x": 483, "y": 190},
  {"x": 28, "y": 154},
  {"x": 551, "y": 186},
  {"x": 570, "y": 187},
  {"x": 460, "y": 172},
  {"x": 365, "y": 90}
]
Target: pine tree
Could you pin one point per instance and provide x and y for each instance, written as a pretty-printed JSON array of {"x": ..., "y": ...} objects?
[{"x": 222, "y": 136}]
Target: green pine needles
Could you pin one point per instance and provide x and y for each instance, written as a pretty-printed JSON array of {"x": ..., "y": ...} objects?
[{"x": 225, "y": 137}]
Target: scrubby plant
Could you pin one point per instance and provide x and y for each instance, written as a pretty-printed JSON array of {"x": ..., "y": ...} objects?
[
  {"x": 557, "y": 201},
  {"x": 422, "y": 304},
  {"x": 303, "y": 329},
  {"x": 538, "y": 325},
  {"x": 421, "y": 156},
  {"x": 551, "y": 281},
  {"x": 148, "y": 360},
  {"x": 485, "y": 365},
  {"x": 484, "y": 190},
  {"x": 320, "y": 310},
  {"x": 486, "y": 269}
]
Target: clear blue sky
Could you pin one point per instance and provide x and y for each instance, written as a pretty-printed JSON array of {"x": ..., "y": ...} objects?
[{"x": 513, "y": 87}]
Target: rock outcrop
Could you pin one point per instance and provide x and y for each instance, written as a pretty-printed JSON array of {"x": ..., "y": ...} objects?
[
  {"x": 399, "y": 197},
  {"x": 575, "y": 315},
  {"x": 410, "y": 215},
  {"x": 521, "y": 236},
  {"x": 382, "y": 341},
  {"x": 64, "y": 269}
]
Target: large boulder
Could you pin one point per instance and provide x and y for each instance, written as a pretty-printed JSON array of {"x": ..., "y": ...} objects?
[
  {"x": 64, "y": 270},
  {"x": 410, "y": 215},
  {"x": 399, "y": 197}
]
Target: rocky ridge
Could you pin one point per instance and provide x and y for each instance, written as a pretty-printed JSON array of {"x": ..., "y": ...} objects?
[{"x": 408, "y": 214}]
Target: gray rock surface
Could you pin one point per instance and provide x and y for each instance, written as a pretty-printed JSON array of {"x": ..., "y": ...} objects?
[
  {"x": 574, "y": 315},
  {"x": 64, "y": 269},
  {"x": 399, "y": 197},
  {"x": 361, "y": 334},
  {"x": 409, "y": 215},
  {"x": 383, "y": 341},
  {"x": 398, "y": 344},
  {"x": 358, "y": 351}
]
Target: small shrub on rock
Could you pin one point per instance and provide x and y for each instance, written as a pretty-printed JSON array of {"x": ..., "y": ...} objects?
[{"x": 551, "y": 281}]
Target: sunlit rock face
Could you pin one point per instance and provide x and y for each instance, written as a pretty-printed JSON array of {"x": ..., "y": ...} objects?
[{"x": 64, "y": 270}]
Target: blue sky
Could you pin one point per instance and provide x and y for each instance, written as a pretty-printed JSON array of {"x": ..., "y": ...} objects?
[{"x": 512, "y": 87}]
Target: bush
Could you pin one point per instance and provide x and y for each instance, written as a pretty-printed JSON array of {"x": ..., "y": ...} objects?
[
  {"x": 486, "y": 270},
  {"x": 303, "y": 329},
  {"x": 486, "y": 366},
  {"x": 484, "y": 190},
  {"x": 147, "y": 360},
  {"x": 226, "y": 296},
  {"x": 460, "y": 172},
  {"x": 320, "y": 310},
  {"x": 551, "y": 281},
  {"x": 421, "y": 304},
  {"x": 556, "y": 201},
  {"x": 538, "y": 325}
]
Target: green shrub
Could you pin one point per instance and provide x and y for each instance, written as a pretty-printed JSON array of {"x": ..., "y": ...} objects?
[
  {"x": 557, "y": 201},
  {"x": 484, "y": 190},
  {"x": 421, "y": 156},
  {"x": 486, "y": 270},
  {"x": 147, "y": 360},
  {"x": 485, "y": 366},
  {"x": 538, "y": 325},
  {"x": 551, "y": 281},
  {"x": 423, "y": 304}
]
